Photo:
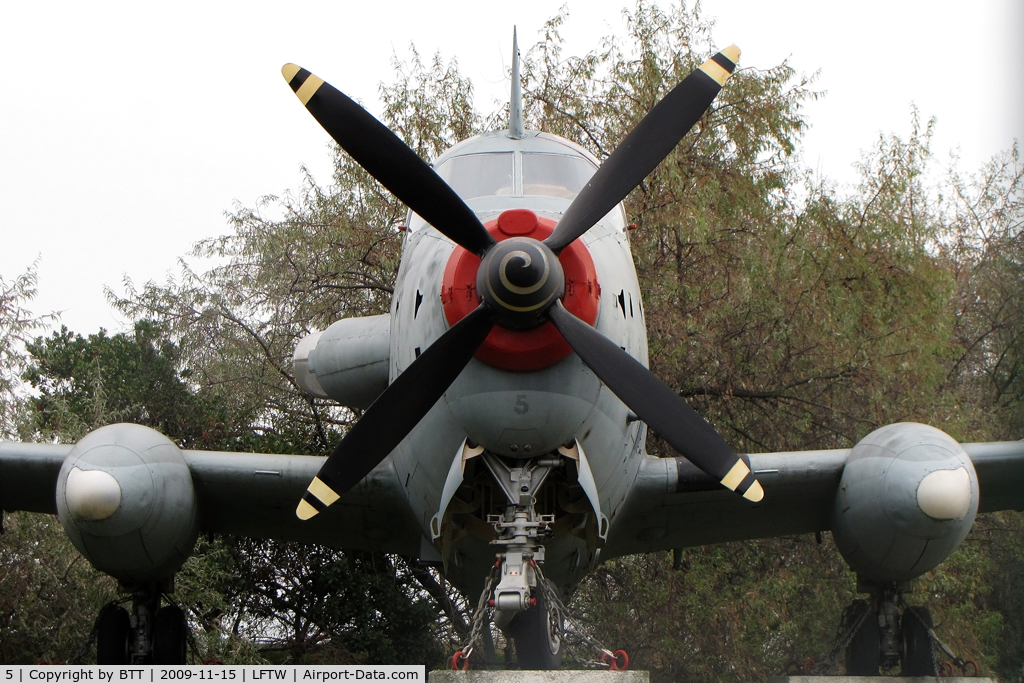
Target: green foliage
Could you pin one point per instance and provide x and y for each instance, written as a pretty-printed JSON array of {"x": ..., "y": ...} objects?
[
  {"x": 431, "y": 108},
  {"x": 293, "y": 603},
  {"x": 16, "y": 325},
  {"x": 739, "y": 611},
  {"x": 84, "y": 383},
  {"x": 999, "y": 540},
  {"x": 49, "y": 595},
  {"x": 324, "y": 604},
  {"x": 785, "y": 319},
  {"x": 307, "y": 605},
  {"x": 985, "y": 250}
]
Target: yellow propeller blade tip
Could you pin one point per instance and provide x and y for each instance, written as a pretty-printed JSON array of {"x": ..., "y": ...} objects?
[
  {"x": 720, "y": 72},
  {"x": 735, "y": 475},
  {"x": 755, "y": 493},
  {"x": 324, "y": 493},
  {"x": 733, "y": 53},
  {"x": 305, "y": 511},
  {"x": 289, "y": 70}
]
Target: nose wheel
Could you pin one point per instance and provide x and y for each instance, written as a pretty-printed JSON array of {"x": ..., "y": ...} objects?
[
  {"x": 520, "y": 601},
  {"x": 517, "y": 596},
  {"x": 537, "y": 634}
]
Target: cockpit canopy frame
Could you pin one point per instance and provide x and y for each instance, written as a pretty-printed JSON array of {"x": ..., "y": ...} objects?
[{"x": 493, "y": 172}]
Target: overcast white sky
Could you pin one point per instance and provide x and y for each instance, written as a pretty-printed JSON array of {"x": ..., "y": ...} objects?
[{"x": 127, "y": 129}]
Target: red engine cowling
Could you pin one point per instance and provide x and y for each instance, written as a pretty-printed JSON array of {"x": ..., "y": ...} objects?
[{"x": 522, "y": 350}]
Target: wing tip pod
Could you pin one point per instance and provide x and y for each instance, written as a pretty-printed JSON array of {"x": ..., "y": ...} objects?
[{"x": 722, "y": 64}]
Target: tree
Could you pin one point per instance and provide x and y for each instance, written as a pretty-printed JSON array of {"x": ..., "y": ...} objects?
[
  {"x": 80, "y": 384},
  {"x": 16, "y": 325},
  {"x": 333, "y": 254},
  {"x": 985, "y": 247},
  {"x": 792, "y": 314},
  {"x": 46, "y": 589},
  {"x": 84, "y": 383},
  {"x": 325, "y": 604},
  {"x": 49, "y": 595},
  {"x": 306, "y": 604}
]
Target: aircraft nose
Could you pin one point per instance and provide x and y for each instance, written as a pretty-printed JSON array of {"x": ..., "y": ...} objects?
[{"x": 92, "y": 495}]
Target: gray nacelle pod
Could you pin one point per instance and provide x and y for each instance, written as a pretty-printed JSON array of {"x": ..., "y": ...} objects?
[
  {"x": 347, "y": 362},
  {"x": 906, "y": 500},
  {"x": 125, "y": 498}
]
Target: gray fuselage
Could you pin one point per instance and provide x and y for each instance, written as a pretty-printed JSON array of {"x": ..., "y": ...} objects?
[{"x": 505, "y": 411}]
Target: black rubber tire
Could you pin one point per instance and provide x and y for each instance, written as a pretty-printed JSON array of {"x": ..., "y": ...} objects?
[
  {"x": 170, "y": 635},
  {"x": 916, "y": 654},
  {"x": 112, "y": 632},
  {"x": 864, "y": 653},
  {"x": 538, "y": 640}
]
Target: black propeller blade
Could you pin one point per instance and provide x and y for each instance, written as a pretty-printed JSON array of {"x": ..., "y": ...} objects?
[
  {"x": 389, "y": 160},
  {"x": 657, "y": 405},
  {"x": 395, "y": 412},
  {"x": 654, "y": 137}
]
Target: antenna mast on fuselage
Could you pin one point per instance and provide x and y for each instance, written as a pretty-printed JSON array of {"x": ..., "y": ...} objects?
[{"x": 515, "y": 103}]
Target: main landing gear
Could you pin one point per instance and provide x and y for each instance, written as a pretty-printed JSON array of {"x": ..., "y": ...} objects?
[
  {"x": 877, "y": 636},
  {"x": 149, "y": 634}
]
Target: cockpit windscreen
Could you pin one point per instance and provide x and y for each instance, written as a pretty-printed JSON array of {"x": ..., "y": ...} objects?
[
  {"x": 478, "y": 175},
  {"x": 555, "y": 175}
]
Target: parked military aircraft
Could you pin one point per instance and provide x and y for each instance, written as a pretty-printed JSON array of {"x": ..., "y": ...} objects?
[{"x": 508, "y": 402}]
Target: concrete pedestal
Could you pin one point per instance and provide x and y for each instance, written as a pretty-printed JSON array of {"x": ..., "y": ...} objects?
[
  {"x": 539, "y": 677},
  {"x": 644, "y": 677},
  {"x": 875, "y": 679}
]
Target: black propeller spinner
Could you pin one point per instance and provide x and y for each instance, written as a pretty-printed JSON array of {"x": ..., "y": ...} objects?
[
  {"x": 520, "y": 278},
  {"x": 521, "y": 282}
]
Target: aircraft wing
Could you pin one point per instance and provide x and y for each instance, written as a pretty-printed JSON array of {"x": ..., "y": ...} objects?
[
  {"x": 245, "y": 494},
  {"x": 674, "y": 505}
]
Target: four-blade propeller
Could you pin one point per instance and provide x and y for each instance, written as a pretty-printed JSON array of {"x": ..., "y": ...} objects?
[{"x": 408, "y": 399}]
